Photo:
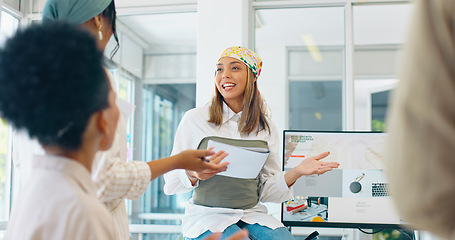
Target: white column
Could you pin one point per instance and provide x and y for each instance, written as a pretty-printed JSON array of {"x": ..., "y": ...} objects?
[
  {"x": 273, "y": 84},
  {"x": 348, "y": 84},
  {"x": 221, "y": 24}
]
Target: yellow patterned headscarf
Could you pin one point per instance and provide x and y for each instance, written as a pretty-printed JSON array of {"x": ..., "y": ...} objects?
[{"x": 250, "y": 58}]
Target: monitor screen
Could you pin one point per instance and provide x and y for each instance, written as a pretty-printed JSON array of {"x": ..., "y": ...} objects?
[{"x": 355, "y": 195}]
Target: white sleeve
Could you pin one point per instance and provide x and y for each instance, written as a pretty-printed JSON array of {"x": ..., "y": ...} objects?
[
  {"x": 272, "y": 186},
  {"x": 177, "y": 181},
  {"x": 114, "y": 177}
]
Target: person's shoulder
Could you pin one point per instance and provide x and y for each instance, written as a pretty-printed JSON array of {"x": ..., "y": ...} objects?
[
  {"x": 198, "y": 113},
  {"x": 198, "y": 110},
  {"x": 88, "y": 216},
  {"x": 87, "y": 208},
  {"x": 71, "y": 210}
]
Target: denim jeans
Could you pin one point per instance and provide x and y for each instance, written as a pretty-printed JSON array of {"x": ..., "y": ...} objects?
[{"x": 256, "y": 231}]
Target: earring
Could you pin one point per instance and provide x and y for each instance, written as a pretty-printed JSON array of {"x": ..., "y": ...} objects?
[
  {"x": 103, "y": 143},
  {"x": 100, "y": 34}
]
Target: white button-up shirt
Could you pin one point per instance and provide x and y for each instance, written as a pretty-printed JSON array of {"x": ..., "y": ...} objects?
[
  {"x": 59, "y": 202},
  {"x": 272, "y": 186}
]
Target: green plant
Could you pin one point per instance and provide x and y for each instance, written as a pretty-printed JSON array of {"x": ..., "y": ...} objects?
[{"x": 377, "y": 125}]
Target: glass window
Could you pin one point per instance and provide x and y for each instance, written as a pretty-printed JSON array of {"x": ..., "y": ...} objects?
[
  {"x": 379, "y": 35},
  {"x": 379, "y": 105},
  {"x": 125, "y": 88},
  {"x": 9, "y": 25},
  {"x": 126, "y": 93},
  {"x": 305, "y": 53},
  {"x": 162, "y": 111},
  {"x": 4, "y": 170},
  {"x": 163, "y": 107},
  {"x": 168, "y": 91},
  {"x": 311, "y": 41}
]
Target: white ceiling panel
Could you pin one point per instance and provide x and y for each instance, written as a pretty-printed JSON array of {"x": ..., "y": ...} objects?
[
  {"x": 142, "y": 3},
  {"x": 165, "y": 32}
]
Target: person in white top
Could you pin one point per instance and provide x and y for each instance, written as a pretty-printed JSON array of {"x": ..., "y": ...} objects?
[
  {"x": 116, "y": 179},
  {"x": 54, "y": 86},
  {"x": 237, "y": 111},
  {"x": 421, "y": 122}
]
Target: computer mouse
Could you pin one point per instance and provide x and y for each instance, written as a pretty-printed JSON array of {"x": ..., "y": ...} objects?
[{"x": 355, "y": 187}]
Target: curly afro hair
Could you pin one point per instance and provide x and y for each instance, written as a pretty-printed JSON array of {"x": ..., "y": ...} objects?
[{"x": 51, "y": 81}]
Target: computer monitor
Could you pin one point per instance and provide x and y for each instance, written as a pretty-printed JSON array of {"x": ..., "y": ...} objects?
[{"x": 355, "y": 195}]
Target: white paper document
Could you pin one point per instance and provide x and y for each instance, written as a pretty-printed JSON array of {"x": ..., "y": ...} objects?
[{"x": 244, "y": 162}]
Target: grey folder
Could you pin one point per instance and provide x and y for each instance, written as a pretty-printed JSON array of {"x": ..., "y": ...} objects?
[{"x": 229, "y": 192}]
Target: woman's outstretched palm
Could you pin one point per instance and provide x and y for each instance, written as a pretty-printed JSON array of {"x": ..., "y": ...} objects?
[{"x": 312, "y": 165}]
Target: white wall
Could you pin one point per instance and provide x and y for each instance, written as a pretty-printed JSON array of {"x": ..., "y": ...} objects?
[
  {"x": 273, "y": 85},
  {"x": 221, "y": 24},
  {"x": 15, "y": 4},
  {"x": 37, "y": 6},
  {"x": 225, "y": 23},
  {"x": 130, "y": 55}
]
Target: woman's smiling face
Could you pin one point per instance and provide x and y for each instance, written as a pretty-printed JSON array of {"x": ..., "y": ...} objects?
[{"x": 231, "y": 79}]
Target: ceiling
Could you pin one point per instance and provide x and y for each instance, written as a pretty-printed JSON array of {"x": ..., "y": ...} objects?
[
  {"x": 142, "y": 3},
  {"x": 165, "y": 25},
  {"x": 176, "y": 28},
  {"x": 173, "y": 32}
]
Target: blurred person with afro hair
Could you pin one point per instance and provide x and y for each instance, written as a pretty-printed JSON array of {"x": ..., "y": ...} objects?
[{"x": 54, "y": 86}]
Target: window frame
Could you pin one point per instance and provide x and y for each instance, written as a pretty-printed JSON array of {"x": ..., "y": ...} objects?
[
  {"x": 348, "y": 94},
  {"x": 11, "y": 183}
]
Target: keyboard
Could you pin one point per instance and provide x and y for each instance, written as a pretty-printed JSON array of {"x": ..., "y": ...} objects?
[{"x": 380, "y": 190}]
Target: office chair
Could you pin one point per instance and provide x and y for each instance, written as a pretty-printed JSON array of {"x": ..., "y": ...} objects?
[{"x": 313, "y": 236}]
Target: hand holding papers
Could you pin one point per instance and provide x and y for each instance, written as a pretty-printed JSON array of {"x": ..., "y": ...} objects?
[{"x": 244, "y": 162}]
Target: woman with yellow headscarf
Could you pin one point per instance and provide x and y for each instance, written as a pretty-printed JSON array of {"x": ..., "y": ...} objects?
[{"x": 237, "y": 113}]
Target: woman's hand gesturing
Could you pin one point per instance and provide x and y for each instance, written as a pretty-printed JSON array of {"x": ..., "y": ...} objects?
[{"x": 309, "y": 166}]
